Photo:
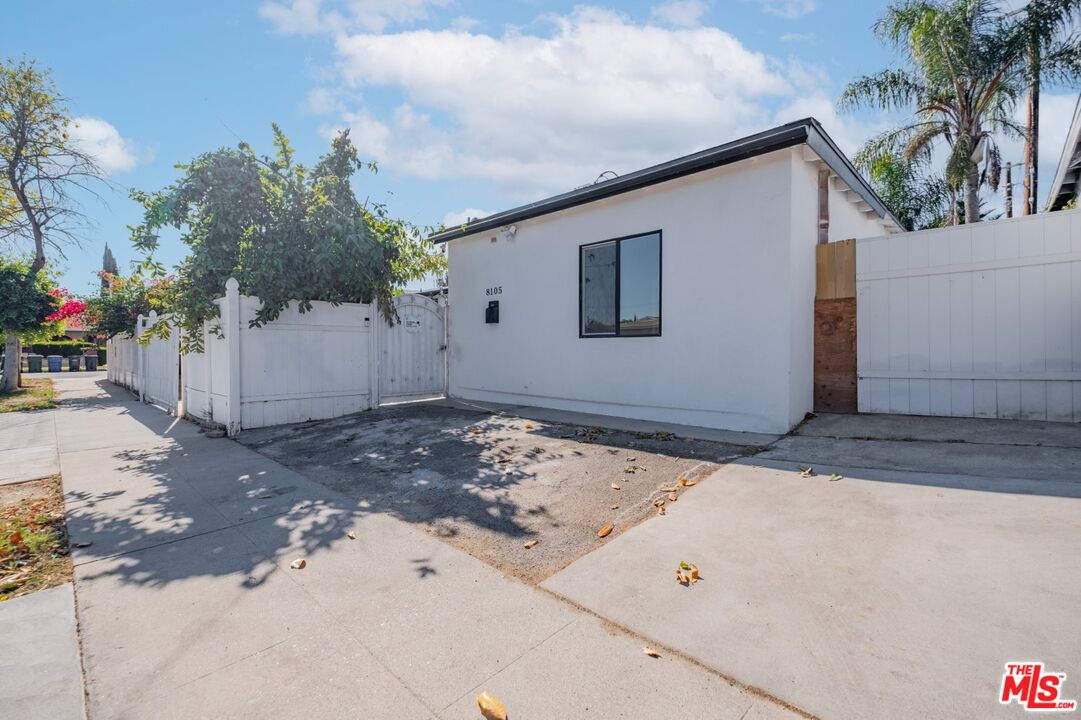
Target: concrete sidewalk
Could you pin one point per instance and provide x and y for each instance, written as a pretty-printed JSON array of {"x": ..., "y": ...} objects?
[
  {"x": 40, "y": 676},
  {"x": 188, "y": 607},
  {"x": 27, "y": 446}
]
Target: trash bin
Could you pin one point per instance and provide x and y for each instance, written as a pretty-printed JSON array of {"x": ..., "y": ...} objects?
[
  {"x": 33, "y": 363},
  {"x": 91, "y": 361},
  {"x": 54, "y": 362},
  {"x": 73, "y": 362}
]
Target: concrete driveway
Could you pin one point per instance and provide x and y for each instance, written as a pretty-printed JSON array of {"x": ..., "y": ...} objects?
[
  {"x": 491, "y": 481},
  {"x": 947, "y": 548}
]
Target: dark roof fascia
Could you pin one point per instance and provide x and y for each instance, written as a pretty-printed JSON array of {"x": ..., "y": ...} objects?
[{"x": 807, "y": 131}]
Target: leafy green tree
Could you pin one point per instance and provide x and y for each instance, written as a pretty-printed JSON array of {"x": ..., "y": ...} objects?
[
  {"x": 916, "y": 197},
  {"x": 1052, "y": 52},
  {"x": 123, "y": 299},
  {"x": 40, "y": 168},
  {"x": 286, "y": 232},
  {"x": 24, "y": 304},
  {"x": 960, "y": 77}
]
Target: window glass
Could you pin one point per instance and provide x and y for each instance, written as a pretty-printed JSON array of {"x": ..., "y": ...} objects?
[
  {"x": 599, "y": 289},
  {"x": 640, "y": 285}
]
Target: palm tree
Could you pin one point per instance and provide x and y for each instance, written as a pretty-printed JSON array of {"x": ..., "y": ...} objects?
[
  {"x": 1053, "y": 52},
  {"x": 960, "y": 79}
]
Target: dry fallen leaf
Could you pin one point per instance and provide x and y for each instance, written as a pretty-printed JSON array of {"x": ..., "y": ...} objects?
[
  {"x": 614, "y": 507},
  {"x": 693, "y": 574},
  {"x": 615, "y": 486},
  {"x": 506, "y": 459},
  {"x": 681, "y": 577},
  {"x": 659, "y": 502},
  {"x": 606, "y": 530},
  {"x": 651, "y": 652},
  {"x": 835, "y": 477},
  {"x": 661, "y": 510},
  {"x": 687, "y": 483},
  {"x": 298, "y": 564},
  {"x": 806, "y": 472},
  {"x": 530, "y": 544},
  {"x": 528, "y": 426},
  {"x": 351, "y": 535},
  {"x": 490, "y": 707},
  {"x": 667, "y": 489},
  {"x": 672, "y": 497}
]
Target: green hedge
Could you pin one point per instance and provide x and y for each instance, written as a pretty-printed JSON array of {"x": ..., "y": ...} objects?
[{"x": 64, "y": 349}]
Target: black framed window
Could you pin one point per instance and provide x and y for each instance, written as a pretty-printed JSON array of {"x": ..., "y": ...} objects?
[{"x": 619, "y": 287}]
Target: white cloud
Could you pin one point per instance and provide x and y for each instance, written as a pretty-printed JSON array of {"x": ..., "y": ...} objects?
[
  {"x": 308, "y": 17},
  {"x": 321, "y": 101},
  {"x": 549, "y": 111},
  {"x": 464, "y": 23},
  {"x": 457, "y": 217},
  {"x": 789, "y": 9},
  {"x": 100, "y": 140},
  {"x": 679, "y": 13}
]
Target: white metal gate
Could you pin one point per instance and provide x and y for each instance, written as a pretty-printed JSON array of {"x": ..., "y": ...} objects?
[
  {"x": 413, "y": 358},
  {"x": 161, "y": 368}
]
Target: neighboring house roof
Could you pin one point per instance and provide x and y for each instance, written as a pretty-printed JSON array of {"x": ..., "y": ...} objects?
[
  {"x": 807, "y": 131},
  {"x": 1066, "y": 184}
]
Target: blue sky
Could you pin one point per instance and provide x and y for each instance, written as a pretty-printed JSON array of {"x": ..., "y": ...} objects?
[{"x": 469, "y": 107}]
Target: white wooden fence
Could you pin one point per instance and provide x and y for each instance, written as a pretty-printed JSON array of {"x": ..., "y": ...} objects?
[
  {"x": 122, "y": 362},
  {"x": 330, "y": 361},
  {"x": 980, "y": 320},
  {"x": 151, "y": 372}
]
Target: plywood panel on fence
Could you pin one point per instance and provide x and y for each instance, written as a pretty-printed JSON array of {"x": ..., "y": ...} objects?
[
  {"x": 980, "y": 320},
  {"x": 835, "y": 355},
  {"x": 835, "y": 336},
  {"x": 835, "y": 270}
]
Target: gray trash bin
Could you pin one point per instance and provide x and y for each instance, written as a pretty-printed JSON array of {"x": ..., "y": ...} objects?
[
  {"x": 73, "y": 362},
  {"x": 91, "y": 361},
  {"x": 33, "y": 363}
]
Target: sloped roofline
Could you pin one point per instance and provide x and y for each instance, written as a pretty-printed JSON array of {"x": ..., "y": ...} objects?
[
  {"x": 1066, "y": 164},
  {"x": 807, "y": 131}
]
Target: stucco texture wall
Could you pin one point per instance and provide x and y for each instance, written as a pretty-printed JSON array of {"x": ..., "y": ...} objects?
[{"x": 724, "y": 357}]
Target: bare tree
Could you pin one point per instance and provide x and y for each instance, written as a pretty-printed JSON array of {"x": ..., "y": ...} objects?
[{"x": 41, "y": 167}]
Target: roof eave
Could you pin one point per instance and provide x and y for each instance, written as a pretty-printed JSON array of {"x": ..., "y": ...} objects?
[{"x": 807, "y": 131}]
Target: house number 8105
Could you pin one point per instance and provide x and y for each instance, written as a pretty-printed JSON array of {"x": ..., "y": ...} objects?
[{"x": 498, "y": 290}]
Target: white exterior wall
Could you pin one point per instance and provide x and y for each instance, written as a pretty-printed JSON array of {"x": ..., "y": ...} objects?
[
  {"x": 978, "y": 320},
  {"x": 737, "y": 304}
]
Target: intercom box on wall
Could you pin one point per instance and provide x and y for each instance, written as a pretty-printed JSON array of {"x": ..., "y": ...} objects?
[{"x": 491, "y": 313}]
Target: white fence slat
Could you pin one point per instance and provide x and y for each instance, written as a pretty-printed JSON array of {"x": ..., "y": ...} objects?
[{"x": 976, "y": 320}]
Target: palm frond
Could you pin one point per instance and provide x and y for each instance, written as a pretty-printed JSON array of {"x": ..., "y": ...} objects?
[{"x": 886, "y": 90}]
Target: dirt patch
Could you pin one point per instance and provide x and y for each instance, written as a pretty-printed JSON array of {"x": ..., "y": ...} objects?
[
  {"x": 491, "y": 484},
  {"x": 34, "y": 394},
  {"x": 33, "y": 538}
]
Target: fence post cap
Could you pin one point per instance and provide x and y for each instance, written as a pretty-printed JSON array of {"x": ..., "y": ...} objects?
[
  {"x": 153, "y": 313},
  {"x": 231, "y": 285}
]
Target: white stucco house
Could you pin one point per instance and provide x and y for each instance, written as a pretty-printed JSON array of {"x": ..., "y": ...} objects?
[{"x": 680, "y": 293}]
